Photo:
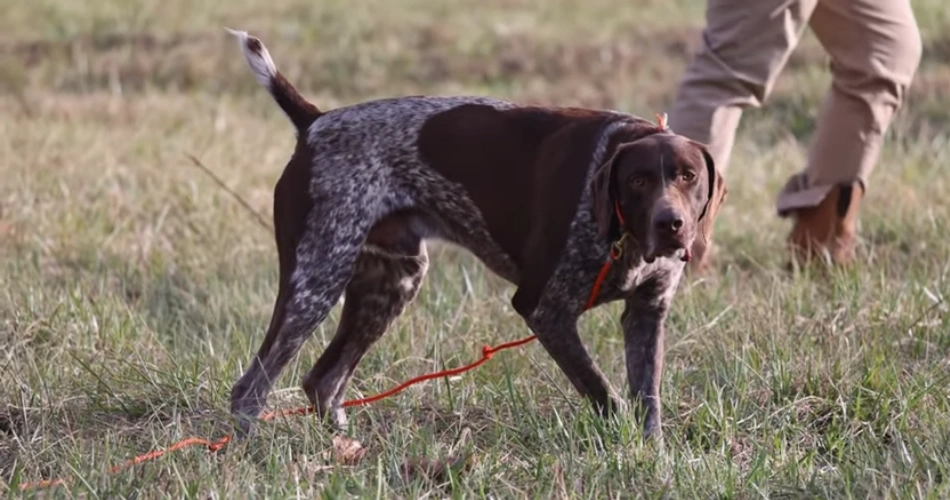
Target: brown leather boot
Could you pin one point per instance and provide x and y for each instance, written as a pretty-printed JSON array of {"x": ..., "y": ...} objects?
[{"x": 829, "y": 227}]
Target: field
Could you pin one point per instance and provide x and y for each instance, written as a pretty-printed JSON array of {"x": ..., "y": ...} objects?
[{"x": 134, "y": 289}]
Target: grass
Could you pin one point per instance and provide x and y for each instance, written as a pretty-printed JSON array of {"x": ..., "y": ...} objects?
[{"x": 134, "y": 290}]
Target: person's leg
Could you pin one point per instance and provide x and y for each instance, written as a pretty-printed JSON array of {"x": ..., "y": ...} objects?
[
  {"x": 875, "y": 48},
  {"x": 745, "y": 45}
]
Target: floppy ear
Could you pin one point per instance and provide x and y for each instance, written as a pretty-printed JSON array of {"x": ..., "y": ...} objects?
[
  {"x": 603, "y": 196},
  {"x": 717, "y": 194}
]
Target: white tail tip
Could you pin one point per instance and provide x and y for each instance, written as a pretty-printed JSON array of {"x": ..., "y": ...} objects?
[{"x": 257, "y": 57}]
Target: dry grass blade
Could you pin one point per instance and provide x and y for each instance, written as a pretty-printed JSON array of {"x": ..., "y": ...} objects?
[{"x": 257, "y": 216}]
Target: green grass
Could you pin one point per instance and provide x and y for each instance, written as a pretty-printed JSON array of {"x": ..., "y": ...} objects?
[{"x": 133, "y": 290}]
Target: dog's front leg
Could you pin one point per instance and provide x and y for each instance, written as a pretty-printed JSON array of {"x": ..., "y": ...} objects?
[
  {"x": 556, "y": 329},
  {"x": 642, "y": 321}
]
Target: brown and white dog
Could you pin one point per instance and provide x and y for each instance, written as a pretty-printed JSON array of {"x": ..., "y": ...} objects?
[{"x": 538, "y": 194}]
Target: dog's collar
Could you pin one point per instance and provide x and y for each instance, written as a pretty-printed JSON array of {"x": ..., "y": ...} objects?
[
  {"x": 616, "y": 248},
  {"x": 616, "y": 252}
]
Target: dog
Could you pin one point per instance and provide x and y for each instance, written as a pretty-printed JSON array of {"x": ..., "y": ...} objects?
[{"x": 542, "y": 196}]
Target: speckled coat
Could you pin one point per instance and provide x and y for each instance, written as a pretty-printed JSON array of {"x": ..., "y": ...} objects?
[{"x": 368, "y": 184}]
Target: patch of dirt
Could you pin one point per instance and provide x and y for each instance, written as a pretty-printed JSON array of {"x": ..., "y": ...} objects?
[
  {"x": 742, "y": 451},
  {"x": 436, "y": 470},
  {"x": 12, "y": 421},
  {"x": 347, "y": 451}
]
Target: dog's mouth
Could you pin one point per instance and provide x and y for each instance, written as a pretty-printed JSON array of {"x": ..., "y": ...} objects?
[
  {"x": 674, "y": 250},
  {"x": 684, "y": 254}
]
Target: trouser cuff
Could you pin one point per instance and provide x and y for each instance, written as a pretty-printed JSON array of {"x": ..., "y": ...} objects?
[{"x": 798, "y": 193}]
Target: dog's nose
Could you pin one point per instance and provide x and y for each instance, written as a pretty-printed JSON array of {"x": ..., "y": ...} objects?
[{"x": 669, "y": 221}]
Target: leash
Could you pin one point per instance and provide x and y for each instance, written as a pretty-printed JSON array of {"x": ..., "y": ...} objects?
[{"x": 616, "y": 251}]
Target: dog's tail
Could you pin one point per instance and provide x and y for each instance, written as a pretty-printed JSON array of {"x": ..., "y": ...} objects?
[{"x": 301, "y": 112}]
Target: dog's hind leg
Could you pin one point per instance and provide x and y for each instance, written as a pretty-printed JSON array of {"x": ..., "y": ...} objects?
[
  {"x": 389, "y": 273},
  {"x": 317, "y": 259}
]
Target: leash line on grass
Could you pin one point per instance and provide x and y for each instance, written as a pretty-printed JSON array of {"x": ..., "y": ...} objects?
[{"x": 214, "y": 446}]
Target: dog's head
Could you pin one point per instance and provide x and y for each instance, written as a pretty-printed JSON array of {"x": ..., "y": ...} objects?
[{"x": 663, "y": 189}]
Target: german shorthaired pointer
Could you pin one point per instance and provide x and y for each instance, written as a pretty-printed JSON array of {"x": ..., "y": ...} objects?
[{"x": 540, "y": 195}]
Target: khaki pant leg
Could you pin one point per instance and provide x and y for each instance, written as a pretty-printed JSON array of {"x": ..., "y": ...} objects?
[
  {"x": 745, "y": 45},
  {"x": 875, "y": 48}
]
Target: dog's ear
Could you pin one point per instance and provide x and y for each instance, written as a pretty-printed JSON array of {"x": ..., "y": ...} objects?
[
  {"x": 717, "y": 195},
  {"x": 604, "y": 196}
]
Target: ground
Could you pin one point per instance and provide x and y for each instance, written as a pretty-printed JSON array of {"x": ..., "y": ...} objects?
[{"x": 134, "y": 289}]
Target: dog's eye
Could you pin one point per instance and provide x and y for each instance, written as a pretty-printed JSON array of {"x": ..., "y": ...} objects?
[
  {"x": 688, "y": 176},
  {"x": 638, "y": 182}
]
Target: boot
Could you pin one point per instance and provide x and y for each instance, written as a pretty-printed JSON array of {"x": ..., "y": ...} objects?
[{"x": 829, "y": 227}]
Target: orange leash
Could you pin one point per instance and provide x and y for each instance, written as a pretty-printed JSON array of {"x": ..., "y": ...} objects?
[{"x": 487, "y": 352}]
